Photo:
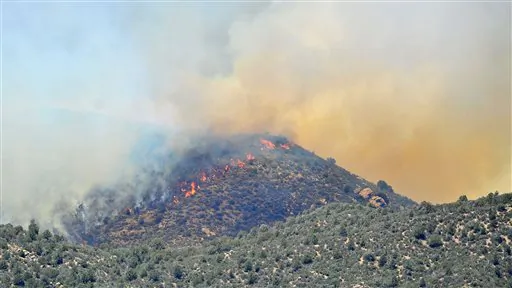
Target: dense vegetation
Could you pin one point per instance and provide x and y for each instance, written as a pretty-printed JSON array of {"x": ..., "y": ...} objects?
[{"x": 462, "y": 244}]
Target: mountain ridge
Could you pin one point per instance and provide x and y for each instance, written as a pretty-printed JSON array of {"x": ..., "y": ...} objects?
[
  {"x": 460, "y": 244},
  {"x": 223, "y": 185}
]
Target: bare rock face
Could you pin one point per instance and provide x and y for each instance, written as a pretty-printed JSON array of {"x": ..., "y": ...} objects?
[
  {"x": 373, "y": 200},
  {"x": 377, "y": 201},
  {"x": 366, "y": 193}
]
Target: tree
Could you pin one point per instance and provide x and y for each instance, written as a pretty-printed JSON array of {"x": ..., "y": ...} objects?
[
  {"x": 307, "y": 259},
  {"x": 252, "y": 278},
  {"x": 348, "y": 189},
  {"x": 383, "y": 260},
  {"x": 47, "y": 235},
  {"x": 131, "y": 275},
  {"x": 248, "y": 266},
  {"x": 383, "y": 186},
  {"x": 391, "y": 282},
  {"x": 419, "y": 233},
  {"x": 3, "y": 265},
  {"x": 427, "y": 206},
  {"x": 87, "y": 276},
  {"x": 369, "y": 257},
  {"x": 18, "y": 280},
  {"x": 435, "y": 241},
  {"x": 177, "y": 272},
  {"x": 33, "y": 230},
  {"x": 57, "y": 258},
  {"x": 154, "y": 275}
]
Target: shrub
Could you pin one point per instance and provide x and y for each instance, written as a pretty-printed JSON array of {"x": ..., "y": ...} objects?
[
  {"x": 383, "y": 260},
  {"x": 131, "y": 275},
  {"x": 3, "y": 265},
  {"x": 252, "y": 279},
  {"x": 247, "y": 266},
  {"x": 435, "y": 241},
  {"x": 369, "y": 257},
  {"x": 383, "y": 186},
  {"x": 348, "y": 189},
  {"x": 419, "y": 233},
  {"x": 307, "y": 259}
]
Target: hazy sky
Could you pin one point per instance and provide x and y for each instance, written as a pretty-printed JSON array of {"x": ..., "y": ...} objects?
[{"x": 394, "y": 91}]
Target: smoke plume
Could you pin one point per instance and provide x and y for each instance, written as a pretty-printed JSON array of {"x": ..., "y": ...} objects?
[{"x": 417, "y": 94}]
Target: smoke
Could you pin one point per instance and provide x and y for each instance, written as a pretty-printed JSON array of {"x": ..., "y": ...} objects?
[
  {"x": 417, "y": 94},
  {"x": 424, "y": 106},
  {"x": 73, "y": 108}
]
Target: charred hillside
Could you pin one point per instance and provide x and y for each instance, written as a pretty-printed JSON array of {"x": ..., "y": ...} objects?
[{"x": 221, "y": 186}]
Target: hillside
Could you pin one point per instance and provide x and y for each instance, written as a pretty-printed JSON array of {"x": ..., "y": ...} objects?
[
  {"x": 463, "y": 244},
  {"x": 220, "y": 186}
]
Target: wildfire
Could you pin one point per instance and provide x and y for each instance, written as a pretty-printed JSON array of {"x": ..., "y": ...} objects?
[
  {"x": 285, "y": 146},
  {"x": 175, "y": 200},
  {"x": 206, "y": 176},
  {"x": 271, "y": 146},
  {"x": 268, "y": 144},
  {"x": 192, "y": 190}
]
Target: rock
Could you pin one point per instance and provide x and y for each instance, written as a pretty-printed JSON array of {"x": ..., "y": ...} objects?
[
  {"x": 366, "y": 193},
  {"x": 377, "y": 201}
]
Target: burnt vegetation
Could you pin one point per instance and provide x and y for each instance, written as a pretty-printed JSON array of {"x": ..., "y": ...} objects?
[
  {"x": 222, "y": 186},
  {"x": 461, "y": 244}
]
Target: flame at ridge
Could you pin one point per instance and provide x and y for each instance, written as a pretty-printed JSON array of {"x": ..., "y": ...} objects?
[
  {"x": 192, "y": 190},
  {"x": 215, "y": 174},
  {"x": 268, "y": 144}
]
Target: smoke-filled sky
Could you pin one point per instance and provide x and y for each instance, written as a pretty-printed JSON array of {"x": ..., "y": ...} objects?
[{"x": 417, "y": 94}]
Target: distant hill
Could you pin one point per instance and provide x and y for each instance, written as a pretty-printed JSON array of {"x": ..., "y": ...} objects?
[
  {"x": 463, "y": 244},
  {"x": 221, "y": 186}
]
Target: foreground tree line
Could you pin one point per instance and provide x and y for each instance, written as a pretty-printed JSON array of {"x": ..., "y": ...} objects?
[{"x": 338, "y": 245}]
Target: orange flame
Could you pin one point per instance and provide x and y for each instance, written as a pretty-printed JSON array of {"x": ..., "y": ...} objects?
[
  {"x": 240, "y": 163},
  {"x": 192, "y": 190},
  {"x": 203, "y": 177},
  {"x": 285, "y": 146},
  {"x": 176, "y": 201},
  {"x": 268, "y": 144},
  {"x": 250, "y": 157}
]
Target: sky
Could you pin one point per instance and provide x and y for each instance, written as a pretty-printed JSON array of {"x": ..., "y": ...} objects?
[
  {"x": 70, "y": 81},
  {"x": 417, "y": 94}
]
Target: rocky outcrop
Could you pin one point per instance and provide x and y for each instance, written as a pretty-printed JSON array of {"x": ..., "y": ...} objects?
[
  {"x": 373, "y": 200},
  {"x": 377, "y": 201}
]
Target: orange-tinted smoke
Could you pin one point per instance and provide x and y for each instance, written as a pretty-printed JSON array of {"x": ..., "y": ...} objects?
[
  {"x": 424, "y": 107},
  {"x": 431, "y": 151}
]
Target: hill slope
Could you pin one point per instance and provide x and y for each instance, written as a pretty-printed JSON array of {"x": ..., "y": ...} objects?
[
  {"x": 220, "y": 186},
  {"x": 464, "y": 244}
]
